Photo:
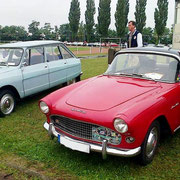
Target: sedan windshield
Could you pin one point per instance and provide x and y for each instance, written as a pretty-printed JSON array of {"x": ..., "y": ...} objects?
[
  {"x": 146, "y": 66},
  {"x": 10, "y": 57}
]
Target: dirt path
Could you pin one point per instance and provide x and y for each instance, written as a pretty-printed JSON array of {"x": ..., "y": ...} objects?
[{"x": 93, "y": 50}]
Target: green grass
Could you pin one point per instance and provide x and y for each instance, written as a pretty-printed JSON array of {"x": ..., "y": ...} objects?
[{"x": 22, "y": 136}]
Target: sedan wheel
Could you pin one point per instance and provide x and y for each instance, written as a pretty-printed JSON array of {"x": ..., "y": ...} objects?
[
  {"x": 150, "y": 143},
  {"x": 7, "y": 102}
]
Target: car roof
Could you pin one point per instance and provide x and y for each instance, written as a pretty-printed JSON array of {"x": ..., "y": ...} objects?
[
  {"x": 27, "y": 44},
  {"x": 162, "y": 50}
]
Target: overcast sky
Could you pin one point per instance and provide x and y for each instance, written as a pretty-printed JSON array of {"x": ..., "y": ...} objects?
[{"x": 22, "y": 12}]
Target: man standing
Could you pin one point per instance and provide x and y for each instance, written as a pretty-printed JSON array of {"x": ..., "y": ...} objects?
[{"x": 134, "y": 37}]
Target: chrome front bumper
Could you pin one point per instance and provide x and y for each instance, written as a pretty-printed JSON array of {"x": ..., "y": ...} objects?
[{"x": 104, "y": 149}]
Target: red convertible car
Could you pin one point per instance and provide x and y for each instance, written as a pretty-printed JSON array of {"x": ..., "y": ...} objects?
[{"x": 122, "y": 112}]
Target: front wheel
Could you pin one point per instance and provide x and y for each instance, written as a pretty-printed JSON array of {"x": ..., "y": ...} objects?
[
  {"x": 7, "y": 102},
  {"x": 150, "y": 144}
]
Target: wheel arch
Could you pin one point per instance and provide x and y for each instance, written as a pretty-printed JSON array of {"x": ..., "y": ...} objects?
[
  {"x": 13, "y": 89},
  {"x": 164, "y": 125}
]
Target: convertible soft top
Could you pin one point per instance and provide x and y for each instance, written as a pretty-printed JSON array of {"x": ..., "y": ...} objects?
[{"x": 153, "y": 49}]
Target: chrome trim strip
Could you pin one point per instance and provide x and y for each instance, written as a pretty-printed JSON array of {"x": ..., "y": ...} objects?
[
  {"x": 177, "y": 128},
  {"x": 97, "y": 148},
  {"x": 177, "y": 104},
  {"x": 149, "y": 52}
]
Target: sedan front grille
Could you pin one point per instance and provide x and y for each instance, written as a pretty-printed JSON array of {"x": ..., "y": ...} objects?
[{"x": 85, "y": 130}]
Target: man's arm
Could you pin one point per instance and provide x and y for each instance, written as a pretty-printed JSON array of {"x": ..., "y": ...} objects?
[{"x": 139, "y": 40}]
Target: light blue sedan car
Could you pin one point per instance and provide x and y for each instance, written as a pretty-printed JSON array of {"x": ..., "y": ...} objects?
[{"x": 30, "y": 67}]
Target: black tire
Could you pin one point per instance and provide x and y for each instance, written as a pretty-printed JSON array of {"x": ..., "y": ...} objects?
[
  {"x": 78, "y": 79},
  {"x": 148, "y": 150},
  {"x": 7, "y": 102}
]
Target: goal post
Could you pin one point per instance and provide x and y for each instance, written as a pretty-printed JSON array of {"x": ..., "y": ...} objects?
[{"x": 109, "y": 39}]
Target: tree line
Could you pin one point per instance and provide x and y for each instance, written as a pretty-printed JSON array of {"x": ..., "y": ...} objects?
[
  {"x": 101, "y": 29},
  {"x": 91, "y": 32}
]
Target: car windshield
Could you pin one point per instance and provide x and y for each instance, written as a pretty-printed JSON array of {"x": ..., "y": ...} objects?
[
  {"x": 147, "y": 66},
  {"x": 10, "y": 57}
]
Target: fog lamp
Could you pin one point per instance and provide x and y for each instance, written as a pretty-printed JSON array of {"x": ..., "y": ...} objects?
[{"x": 130, "y": 139}]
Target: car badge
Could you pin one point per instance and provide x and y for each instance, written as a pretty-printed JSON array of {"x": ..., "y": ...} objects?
[{"x": 78, "y": 110}]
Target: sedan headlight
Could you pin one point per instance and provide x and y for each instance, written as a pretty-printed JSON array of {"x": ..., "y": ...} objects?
[
  {"x": 120, "y": 125},
  {"x": 44, "y": 107}
]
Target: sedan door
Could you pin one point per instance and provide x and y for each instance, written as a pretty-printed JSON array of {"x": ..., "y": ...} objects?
[
  {"x": 73, "y": 64},
  {"x": 57, "y": 65},
  {"x": 35, "y": 71}
]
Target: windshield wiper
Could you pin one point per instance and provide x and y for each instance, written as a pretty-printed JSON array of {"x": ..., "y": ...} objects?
[
  {"x": 122, "y": 74},
  {"x": 138, "y": 75}
]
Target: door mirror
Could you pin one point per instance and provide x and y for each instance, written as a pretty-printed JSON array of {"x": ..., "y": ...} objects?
[
  {"x": 111, "y": 53},
  {"x": 24, "y": 64}
]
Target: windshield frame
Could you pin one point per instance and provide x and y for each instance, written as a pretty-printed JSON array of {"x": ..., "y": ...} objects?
[
  {"x": 147, "y": 53},
  {"x": 20, "y": 59}
]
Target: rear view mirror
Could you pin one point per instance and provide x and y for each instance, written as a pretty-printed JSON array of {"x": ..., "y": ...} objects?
[{"x": 111, "y": 53}]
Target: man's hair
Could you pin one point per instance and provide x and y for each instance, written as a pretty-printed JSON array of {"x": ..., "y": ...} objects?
[{"x": 133, "y": 23}]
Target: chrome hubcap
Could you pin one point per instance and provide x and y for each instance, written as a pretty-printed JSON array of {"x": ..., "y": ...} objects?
[
  {"x": 7, "y": 104},
  {"x": 152, "y": 142}
]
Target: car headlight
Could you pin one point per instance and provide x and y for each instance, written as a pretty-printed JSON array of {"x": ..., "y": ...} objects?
[
  {"x": 44, "y": 107},
  {"x": 120, "y": 125}
]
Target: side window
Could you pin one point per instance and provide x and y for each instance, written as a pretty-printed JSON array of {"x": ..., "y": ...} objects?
[
  {"x": 53, "y": 53},
  {"x": 34, "y": 56},
  {"x": 65, "y": 53}
]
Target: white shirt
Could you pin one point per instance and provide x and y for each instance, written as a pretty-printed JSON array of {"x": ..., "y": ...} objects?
[{"x": 139, "y": 40}]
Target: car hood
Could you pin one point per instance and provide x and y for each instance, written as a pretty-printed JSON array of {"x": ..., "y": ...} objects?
[
  {"x": 5, "y": 69},
  {"x": 103, "y": 93}
]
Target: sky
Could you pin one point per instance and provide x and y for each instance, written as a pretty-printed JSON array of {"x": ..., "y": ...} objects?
[{"x": 22, "y": 12}]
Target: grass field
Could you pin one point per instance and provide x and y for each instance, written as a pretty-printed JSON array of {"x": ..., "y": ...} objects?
[
  {"x": 24, "y": 142},
  {"x": 80, "y": 48}
]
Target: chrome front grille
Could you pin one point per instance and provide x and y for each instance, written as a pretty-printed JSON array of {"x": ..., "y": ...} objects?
[
  {"x": 73, "y": 127},
  {"x": 85, "y": 130}
]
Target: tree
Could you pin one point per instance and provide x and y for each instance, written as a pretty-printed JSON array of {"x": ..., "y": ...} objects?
[
  {"x": 112, "y": 33},
  {"x": 13, "y": 33},
  {"x": 81, "y": 32},
  {"x": 34, "y": 31},
  {"x": 65, "y": 32},
  {"x": 89, "y": 18},
  {"x": 47, "y": 31},
  {"x": 140, "y": 14},
  {"x": 148, "y": 35},
  {"x": 74, "y": 17},
  {"x": 56, "y": 35},
  {"x": 121, "y": 17},
  {"x": 160, "y": 16},
  {"x": 104, "y": 17},
  {"x": 167, "y": 36}
]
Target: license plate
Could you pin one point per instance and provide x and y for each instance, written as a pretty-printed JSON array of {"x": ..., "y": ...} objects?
[{"x": 73, "y": 144}]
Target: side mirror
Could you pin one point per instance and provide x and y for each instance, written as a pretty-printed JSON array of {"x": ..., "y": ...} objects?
[
  {"x": 111, "y": 53},
  {"x": 24, "y": 64}
]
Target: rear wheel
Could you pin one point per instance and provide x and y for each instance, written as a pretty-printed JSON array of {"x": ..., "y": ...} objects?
[
  {"x": 7, "y": 102},
  {"x": 150, "y": 144}
]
